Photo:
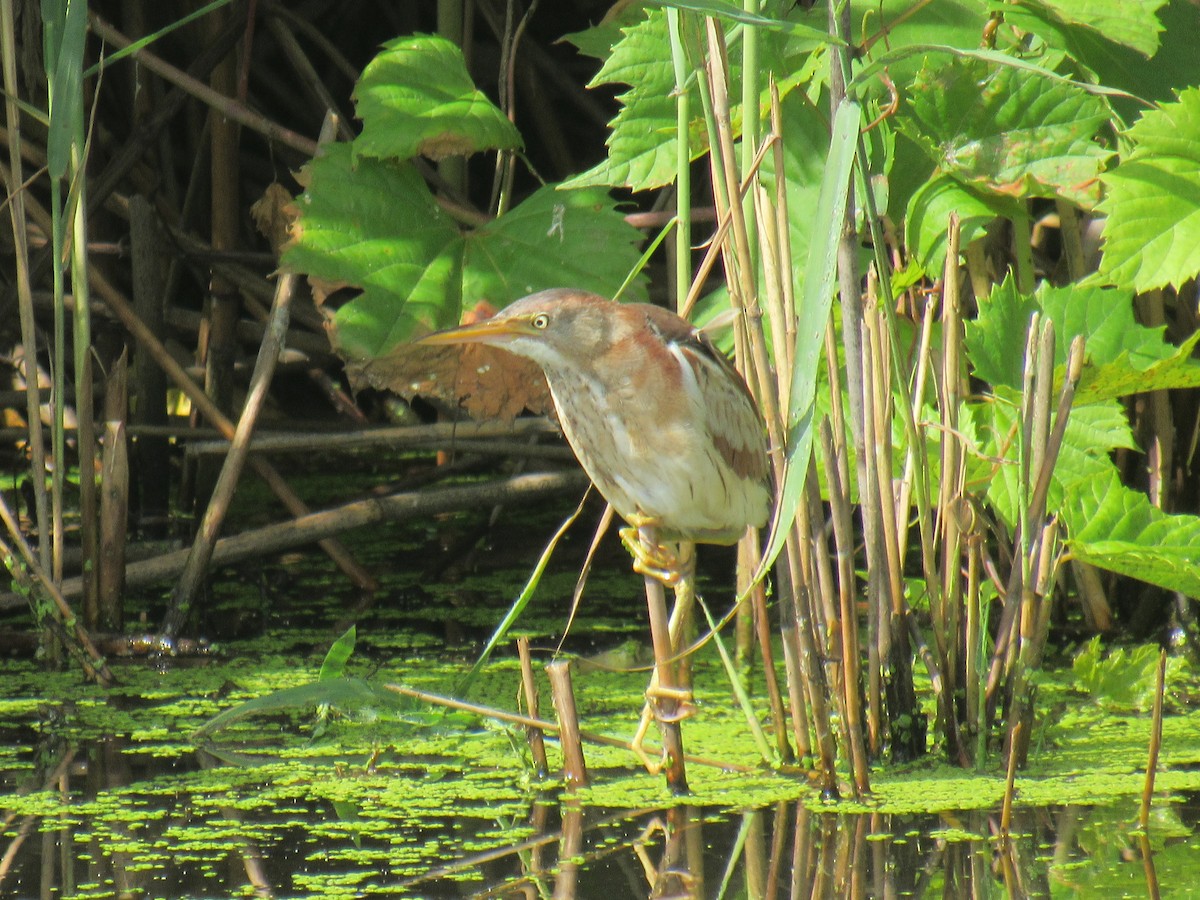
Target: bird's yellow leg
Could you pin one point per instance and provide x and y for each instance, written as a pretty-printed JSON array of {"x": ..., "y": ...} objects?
[
  {"x": 651, "y": 712},
  {"x": 681, "y": 612}
]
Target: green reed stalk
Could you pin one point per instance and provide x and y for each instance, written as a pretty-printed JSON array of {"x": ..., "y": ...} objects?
[
  {"x": 683, "y": 162},
  {"x": 24, "y": 288}
]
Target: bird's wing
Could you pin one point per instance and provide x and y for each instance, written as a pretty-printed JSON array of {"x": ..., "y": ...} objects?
[{"x": 734, "y": 423}]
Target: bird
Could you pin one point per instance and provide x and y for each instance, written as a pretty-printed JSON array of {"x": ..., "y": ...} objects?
[{"x": 659, "y": 419}]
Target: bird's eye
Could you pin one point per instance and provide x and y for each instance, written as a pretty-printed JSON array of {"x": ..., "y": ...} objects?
[{"x": 540, "y": 321}]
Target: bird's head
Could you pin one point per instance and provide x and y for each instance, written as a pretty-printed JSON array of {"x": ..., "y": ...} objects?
[{"x": 559, "y": 328}]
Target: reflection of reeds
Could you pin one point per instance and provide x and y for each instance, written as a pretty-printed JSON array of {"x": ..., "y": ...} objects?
[{"x": 784, "y": 851}]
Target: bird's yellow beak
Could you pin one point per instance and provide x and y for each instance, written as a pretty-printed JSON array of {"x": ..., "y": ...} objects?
[{"x": 489, "y": 331}]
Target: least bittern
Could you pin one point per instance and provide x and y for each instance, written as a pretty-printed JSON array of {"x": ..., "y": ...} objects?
[
  {"x": 659, "y": 419},
  {"x": 661, "y": 422}
]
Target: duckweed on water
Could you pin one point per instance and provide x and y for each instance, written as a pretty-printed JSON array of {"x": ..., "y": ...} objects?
[{"x": 391, "y": 801}]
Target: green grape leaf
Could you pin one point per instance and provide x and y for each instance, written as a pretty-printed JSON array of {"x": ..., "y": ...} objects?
[
  {"x": 1152, "y": 200},
  {"x": 416, "y": 98},
  {"x": 928, "y": 220},
  {"x": 1116, "y": 528},
  {"x": 1130, "y": 23},
  {"x": 376, "y": 227},
  {"x": 1007, "y": 130}
]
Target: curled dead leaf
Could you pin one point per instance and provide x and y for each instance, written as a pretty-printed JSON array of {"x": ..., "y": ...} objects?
[
  {"x": 486, "y": 382},
  {"x": 273, "y": 215}
]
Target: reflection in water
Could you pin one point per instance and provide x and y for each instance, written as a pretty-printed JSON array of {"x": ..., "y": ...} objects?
[
  {"x": 107, "y": 828},
  {"x": 787, "y": 851}
]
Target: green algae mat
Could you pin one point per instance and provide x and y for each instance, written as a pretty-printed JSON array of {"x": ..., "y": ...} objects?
[
  {"x": 119, "y": 793},
  {"x": 246, "y": 773}
]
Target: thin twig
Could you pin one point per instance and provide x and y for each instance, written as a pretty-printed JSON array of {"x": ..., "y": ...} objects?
[
  {"x": 228, "y": 107},
  {"x": 69, "y": 619},
  {"x": 222, "y": 495}
]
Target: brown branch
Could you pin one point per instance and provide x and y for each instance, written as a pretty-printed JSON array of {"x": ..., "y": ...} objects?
[
  {"x": 228, "y": 107},
  {"x": 124, "y": 312},
  {"x": 322, "y": 525}
]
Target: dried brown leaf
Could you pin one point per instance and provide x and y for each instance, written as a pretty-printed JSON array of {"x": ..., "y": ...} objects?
[
  {"x": 486, "y": 382},
  {"x": 273, "y": 214}
]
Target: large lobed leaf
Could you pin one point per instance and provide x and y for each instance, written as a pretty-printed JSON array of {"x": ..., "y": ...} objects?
[
  {"x": 1116, "y": 528},
  {"x": 416, "y": 98},
  {"x": 1130, "y": 23},
  {"x": 1104, "y": 316},
  {"x": 1121, "y": 377},
  {"x": 1152, "y": 201},
  {"x": 927, "y": 221},
  {"x": 376, "y": 227},
  {"x": 642, "y": 144},
  {"x": 641, "y": 147},
  {"x": 1007, "y": 130}
]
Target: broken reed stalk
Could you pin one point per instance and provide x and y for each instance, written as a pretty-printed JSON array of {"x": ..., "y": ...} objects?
[
  {"x": 114, "y": 499},
  {"x": 551, "y": 728},
  {"x": 1040, "y": 568},
  {"x": 537, "y": 743},
  {"x": 666, "y": 699},
  {"x": 562, "y": 694},
  {"x": 1155, "y": 744},
  {"x": 1021, "y": 601}
]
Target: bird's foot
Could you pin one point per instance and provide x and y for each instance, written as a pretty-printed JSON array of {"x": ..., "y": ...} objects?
[
  {"x": 659, "y": 561},
  {"x": 679, "y": 705}
]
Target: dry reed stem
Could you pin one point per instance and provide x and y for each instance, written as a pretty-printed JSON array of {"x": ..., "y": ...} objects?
[
  {"x": 562, "y": 694},
  {"x": 193, "y": 573},
  {"x": 1155, "y": 744},
  {"x": 537, "y": 743}
]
